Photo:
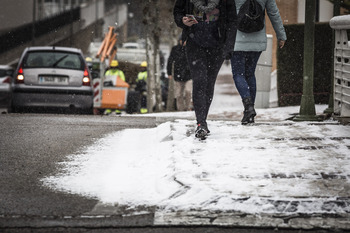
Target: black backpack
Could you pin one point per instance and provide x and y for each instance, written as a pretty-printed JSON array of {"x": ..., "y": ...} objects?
[{"x": 251, "y": 17}]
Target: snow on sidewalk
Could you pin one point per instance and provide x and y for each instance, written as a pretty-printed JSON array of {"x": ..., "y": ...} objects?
[
  {"x": 275, "y": 166},
  {"x": 171, "y": 169}
]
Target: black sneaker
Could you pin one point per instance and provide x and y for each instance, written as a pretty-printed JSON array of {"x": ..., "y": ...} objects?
[
  {"x": 201, "y": 131},
  {"x": 206, "y": 128}
]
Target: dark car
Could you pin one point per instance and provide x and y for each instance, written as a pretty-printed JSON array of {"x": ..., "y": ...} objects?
[
  {"x": 52, "y": 78},
  {"x": 6, "y": 73}
]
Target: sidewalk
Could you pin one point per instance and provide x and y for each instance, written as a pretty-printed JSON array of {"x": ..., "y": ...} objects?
[{"x": 274, "y": 174}]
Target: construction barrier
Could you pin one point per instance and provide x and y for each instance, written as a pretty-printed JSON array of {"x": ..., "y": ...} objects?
[{"x": 114, "y": 96}]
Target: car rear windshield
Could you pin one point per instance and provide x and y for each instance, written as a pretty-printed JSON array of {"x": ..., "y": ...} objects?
[
  {"x": 5, "y": 72},
  {"x": 53, "y": 59}
]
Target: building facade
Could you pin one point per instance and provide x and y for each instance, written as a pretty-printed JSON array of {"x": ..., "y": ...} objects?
[
  {"x": 29, "y": 10},
  {"x": 293, "y": 12}
]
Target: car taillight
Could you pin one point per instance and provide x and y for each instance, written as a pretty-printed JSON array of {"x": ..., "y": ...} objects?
[
  {"x": 86, "y": 78},
  {"x": 20, "y": 76},
  {"x": 7, "y": 80}
]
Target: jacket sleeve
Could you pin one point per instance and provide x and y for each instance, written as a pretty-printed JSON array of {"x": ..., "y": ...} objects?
[
  {"x": 230, "y": 27},
  {"x": 179, "y": 12},
  {"x": 275, "y": 18}
]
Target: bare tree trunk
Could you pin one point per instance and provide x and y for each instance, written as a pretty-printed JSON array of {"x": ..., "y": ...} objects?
[
  {"x": 171, "y": 89},
  {"x": 150, "y": 75},
  {"x": 158, "y": 89},
  {"x": 159, "y": 24},
  {"x": 151, "y": 21},
  {"x": 171, "y": 93}
]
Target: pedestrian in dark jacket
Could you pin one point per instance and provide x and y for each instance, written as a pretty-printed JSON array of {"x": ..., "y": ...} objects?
[
  {"x": 210, "y": 38},
  {"x": 178, "y": 66}
]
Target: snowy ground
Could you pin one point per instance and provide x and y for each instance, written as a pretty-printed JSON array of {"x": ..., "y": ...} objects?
[{"x": 305, "y": 167}]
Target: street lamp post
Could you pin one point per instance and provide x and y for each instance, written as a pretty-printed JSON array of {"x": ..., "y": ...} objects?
[
  {"x": 307, "y": 106},
  {"x": 96, "y": 18},
  {"x": 33, "y": 22},
  {"x": 330, "y": 109},
  {"x": 71, "y": 38}
]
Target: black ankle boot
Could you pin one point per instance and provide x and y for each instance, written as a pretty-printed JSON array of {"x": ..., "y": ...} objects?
[
  {"x": 249, "y": 111},
  {"x": 201, "y": 131}
]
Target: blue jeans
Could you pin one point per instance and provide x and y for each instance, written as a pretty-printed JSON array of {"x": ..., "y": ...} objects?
[{"x": 243, "y": 65}]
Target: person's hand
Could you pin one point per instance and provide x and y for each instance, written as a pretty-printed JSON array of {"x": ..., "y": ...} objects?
[
  {"x": 281, "y": 43},
  {"x": 170, "y": 77},
  {"x": 187, "y": 21}
]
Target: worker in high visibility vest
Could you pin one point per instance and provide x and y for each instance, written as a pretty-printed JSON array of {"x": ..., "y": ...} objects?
[
  {"x": 111, "y": 80},
  {"x": 141, "y": 86},
  {"x": 115, "y": 71}
]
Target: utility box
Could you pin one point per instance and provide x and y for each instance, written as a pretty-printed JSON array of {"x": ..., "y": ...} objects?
[
  {"x": 263, "y": 76},
  {"x": 114, "y": 97},
  {"x": 115, "y": 94},
  {"x": 112, "y": 93}
]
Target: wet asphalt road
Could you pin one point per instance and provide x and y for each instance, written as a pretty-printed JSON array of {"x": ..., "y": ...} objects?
[{"x": 32, "y": 145}]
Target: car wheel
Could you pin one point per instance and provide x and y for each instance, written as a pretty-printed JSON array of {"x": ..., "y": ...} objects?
[
  {"x": 88, "y": 111},
  {"x": 9, "y": 109},
  {"x": 13, "y": 109}
]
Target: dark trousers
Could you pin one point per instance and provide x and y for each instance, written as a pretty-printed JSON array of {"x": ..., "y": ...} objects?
[
  {"x": 243, "y": 70},
  {"x": 204, "y": 64},
  {"x": 143, "y": 101}
]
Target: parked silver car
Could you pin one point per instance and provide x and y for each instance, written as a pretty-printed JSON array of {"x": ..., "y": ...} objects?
[
  {"x": 6, "y": 73},
  {"x": 52, "y": 77}
]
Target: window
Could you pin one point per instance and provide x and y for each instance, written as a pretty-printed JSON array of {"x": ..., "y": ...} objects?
[
  {"x": 5, "y": 72},
  {"x": 53, "y": 60}
]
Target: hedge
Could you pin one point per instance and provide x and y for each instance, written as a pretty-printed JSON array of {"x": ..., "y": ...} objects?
[{"x": 290, "y": 65}]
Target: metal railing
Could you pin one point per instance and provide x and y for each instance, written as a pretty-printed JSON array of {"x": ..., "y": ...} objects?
[{"x": 341, "y": 25}]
